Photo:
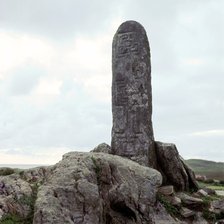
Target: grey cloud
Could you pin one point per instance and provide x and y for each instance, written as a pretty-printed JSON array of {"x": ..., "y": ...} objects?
[
  {"x": 56, "y": 18},
  {"x": 186, "y": 98},
  {"x": 77, "y": 122}
]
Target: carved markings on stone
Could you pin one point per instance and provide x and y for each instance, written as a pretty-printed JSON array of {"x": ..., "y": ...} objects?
[
  {"x": 132, "y": 133},
  {"x": 127, "y": 44},
  {"x": 121, "y": 97}
]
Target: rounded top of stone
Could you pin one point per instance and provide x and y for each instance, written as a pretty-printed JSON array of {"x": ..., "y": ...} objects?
[{"x": 130, "y": 26}]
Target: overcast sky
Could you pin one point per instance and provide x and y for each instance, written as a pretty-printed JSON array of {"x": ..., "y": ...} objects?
[{"x": 55, "y": 75}]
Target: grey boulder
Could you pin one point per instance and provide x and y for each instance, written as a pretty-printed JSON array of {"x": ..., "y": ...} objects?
[
  {"x": 87, "y": 188},
  {"x": 175, "y": 172}
]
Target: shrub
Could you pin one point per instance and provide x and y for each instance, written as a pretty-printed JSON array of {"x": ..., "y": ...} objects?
[
  {"x": 6, "y": 171},
  {"x": 209, "y": 181},
  {"x": 221, "y": 182},
  {"x": 11, "y": 219}
]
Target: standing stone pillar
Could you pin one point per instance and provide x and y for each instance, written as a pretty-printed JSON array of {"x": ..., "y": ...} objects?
[{"x": 132, "y": 132}]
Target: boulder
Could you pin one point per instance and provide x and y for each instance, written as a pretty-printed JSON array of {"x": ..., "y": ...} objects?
[
  {"x": 198, "y": 219},
  {"x": 175, "y": 172},
  {"x": 202, "y": 193},
  {"x": 186, "y": 213},
  {"x": 166, "y": 190},
  {"x": 103, "y": 147},
  {"x": 97, "y": 188},
  {"x": 217, "y": 206},
  {"x": 173, "y": 200},
  {"x": 160, "y": 216},
  {"x": 209, "y": 191},
  {"x": 190, "y": 201},
  {"x": 15, "y": 196}
]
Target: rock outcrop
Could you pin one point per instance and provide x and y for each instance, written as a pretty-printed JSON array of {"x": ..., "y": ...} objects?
[
  {"x": 99, "y": 188},
  {"x": 103, "y": 147},
  {"x": 173, "y": 168},
  {"x": 82, "y": 188}
]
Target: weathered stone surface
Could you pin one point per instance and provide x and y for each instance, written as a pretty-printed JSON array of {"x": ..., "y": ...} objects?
[
  {"x": 189, "y": 200},
  {"x": 97, "y": 188},
  {"x": 94, "y": 188},
  {"x": 201, "y": 192},
  {"x": 217, "y": 206},
  {"x": 103, "y": 147},
  {"x": 174, "y": 200},
  {"x": 132, "y": 132},
  {"x": 160, "y": 216},
  {"x": 166, "y": 190},
  {"x": 192, "y": 182},
  {"x": 173, "y": 169},
  {"x": 209, "y": 191},
  {"x": 186, "y": 213},
  {"x": 13, "y": 191},
  {"x": 198, "y": 219}
]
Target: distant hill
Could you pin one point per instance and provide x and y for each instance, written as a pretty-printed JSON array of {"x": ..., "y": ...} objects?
[{"x": 211, "y": 169}]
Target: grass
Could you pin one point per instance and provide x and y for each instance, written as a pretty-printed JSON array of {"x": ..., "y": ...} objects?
[
  {"x": 211, "y": 186},
  {"x": 217, "y": 188},
  {"x": 208, "y": 215},
  {"x": 171, "y": 209},
  {"x": 12, "y": 219},
  {"x": 212, "y": 170}
]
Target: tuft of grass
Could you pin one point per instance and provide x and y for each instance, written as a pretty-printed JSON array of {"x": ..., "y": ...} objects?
[
  {"x": 96, "y": 166},
  {"x": 12, "y": 219},
  {"x": 171, "y": 209},
  {"x": 208, "y": 215},
  {"x": 97, "y": 169},
  {"x": 217, "y": 188}
]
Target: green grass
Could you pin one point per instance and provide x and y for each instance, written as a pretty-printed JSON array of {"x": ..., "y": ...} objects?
[
  {"x": 11, "y": 219},
  {"x": 211, "y": 186},
  {"x": 171, "y": 209},
  {"x": 217, "y": 188}
]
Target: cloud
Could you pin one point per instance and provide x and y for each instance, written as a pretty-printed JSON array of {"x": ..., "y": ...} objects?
[
  {"x": 209, "y": 133},
  {"x": 57, "y": 19},
  {"x": 21, "y": 48},
  {"x": 55, "y": 76}
]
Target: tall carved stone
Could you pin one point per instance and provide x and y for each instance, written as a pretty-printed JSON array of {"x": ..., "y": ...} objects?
[{"x": 132, "y": 132}]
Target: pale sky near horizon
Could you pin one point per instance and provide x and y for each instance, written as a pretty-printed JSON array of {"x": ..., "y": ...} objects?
[{"x": 55, "y": 75}]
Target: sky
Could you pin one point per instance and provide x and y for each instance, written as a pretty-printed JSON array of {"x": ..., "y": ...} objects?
[{"x": 55, "y": 75}]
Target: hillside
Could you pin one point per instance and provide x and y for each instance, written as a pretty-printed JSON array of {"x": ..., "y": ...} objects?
[{"x": 211, "y": 169}]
